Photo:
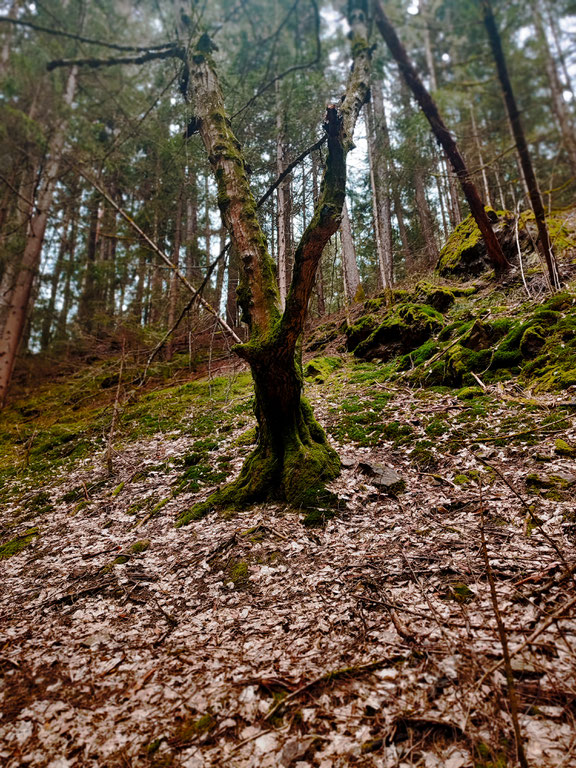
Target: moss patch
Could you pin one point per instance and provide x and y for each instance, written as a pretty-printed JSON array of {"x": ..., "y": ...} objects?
[{"x": 18, "y": 543}]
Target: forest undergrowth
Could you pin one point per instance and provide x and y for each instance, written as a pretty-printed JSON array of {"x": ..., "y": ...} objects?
[{"x": 365, "y": 634}]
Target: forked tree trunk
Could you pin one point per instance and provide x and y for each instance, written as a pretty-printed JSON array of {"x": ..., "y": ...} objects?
[
  {"x": 443, "y": 136},
  {"x": 292, "y": 460},
  {"x": 544, "y": 244},
  {"x": 19, "y": 300}
]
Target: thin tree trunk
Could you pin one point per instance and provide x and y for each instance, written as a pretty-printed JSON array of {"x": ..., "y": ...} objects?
[
  {"x": 443, "y": 135},
  {"x": 221, "y": 270},
  {"x": 45, "y": 334},
  {"x": 556, "y": 89},
  {"x": 319, "y": 286},
  {"x": 521, "y": 143},
  {"x": 20, "y": 296},
  {"x": 378, "y": 155},
  {"x": 425, "y": 216},
  {"x": 174, "y": 292},
  {"x": 478, "y": 145},
  {"x": 284, "y": 221},
  {"x": 349, "y": 263}
]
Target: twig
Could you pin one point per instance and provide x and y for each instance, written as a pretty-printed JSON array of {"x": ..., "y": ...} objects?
[{"x": 328, "y": 676}]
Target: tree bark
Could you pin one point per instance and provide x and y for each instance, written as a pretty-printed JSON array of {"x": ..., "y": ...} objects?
[
  {"x": 293, "y": 459},
  {"x": 20, "y": 296},
  {"x": 443, "y": 136},
  {"x": 174, "y": 282},
  {"x": 544, "y": 244}
]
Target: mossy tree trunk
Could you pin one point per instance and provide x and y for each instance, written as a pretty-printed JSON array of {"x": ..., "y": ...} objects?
[{"x": 292, "y": 460}]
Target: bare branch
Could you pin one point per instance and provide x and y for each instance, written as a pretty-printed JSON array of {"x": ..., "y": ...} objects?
[
  {"x": 81, "y": 39},
  {"x": 289, "y": 168}
]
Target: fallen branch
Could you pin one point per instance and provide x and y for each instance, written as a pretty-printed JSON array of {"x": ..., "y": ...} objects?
[{"x": 335, "y": 675}]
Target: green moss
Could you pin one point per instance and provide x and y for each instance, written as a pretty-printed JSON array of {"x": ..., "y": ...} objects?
[
  {"x": 17, "y": 544},
  {"x": 118, "y": 490},
  {"x": 404, "y": 328},
  {"x": 139, "y": 546},
  {"x": 238, "y": 572},
  {"x": 461, "y": 592},
  {"x": 562, "y": 448},
  {"x": 360, "y": 331},
  {"x": 320, "y": 368},
  {"x": 191, "y": 729},
  {"x": 461, "y": 480},
  {"x": 469, "y": 393},
  {"x": 438, "y": 296},
  {"x": 247, "y": 438}
]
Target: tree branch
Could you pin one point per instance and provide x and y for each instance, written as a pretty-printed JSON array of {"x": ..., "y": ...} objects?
[
  {"x": 339, "y": 126},
  {"x": 288, "y": 170},
  {"x": 171, "y": 53},
  {"x": 290, "y": 70},
  {"x": 80, "y": 38}
]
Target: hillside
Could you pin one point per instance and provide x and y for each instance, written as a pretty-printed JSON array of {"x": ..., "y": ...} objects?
[{"x": 360, "y": 632}]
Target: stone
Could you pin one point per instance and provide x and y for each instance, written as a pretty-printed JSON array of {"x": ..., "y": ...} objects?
[{"x": 384, "y": 478}]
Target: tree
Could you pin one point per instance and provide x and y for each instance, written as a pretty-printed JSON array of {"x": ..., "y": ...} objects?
[
  {"x": 293, "y": 459},
  {"x": 443, "y": 136},
  {"x": 544, "y": 244}
]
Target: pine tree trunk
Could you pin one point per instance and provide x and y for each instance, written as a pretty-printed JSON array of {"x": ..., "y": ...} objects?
[
  {"x": 558, "y": 103},
  {"x": 444, "y": 137},
  {"x": 284, "y": 215},
  {"x": 19, "y": 301},
  {"x": 544, "y": 244}
]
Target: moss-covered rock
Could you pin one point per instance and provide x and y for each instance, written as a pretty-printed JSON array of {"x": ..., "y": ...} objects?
[
  {"x": 404, "y": 328},
  {"x": 439, "y": 297},
  {"x": 360, "y": 331},
  {"x": 532, "y": 341},
  {"x": 464, "y": 253}
]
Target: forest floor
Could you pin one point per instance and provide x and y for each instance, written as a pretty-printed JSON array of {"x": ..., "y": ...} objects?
[{"x": 268, "y": 638}]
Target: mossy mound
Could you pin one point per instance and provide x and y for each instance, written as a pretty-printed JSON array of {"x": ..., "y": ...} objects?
[
  {"x": 405, "y": 327},
  {"x": 539, "y": 346},
  {"x": 464, "y": 253}
]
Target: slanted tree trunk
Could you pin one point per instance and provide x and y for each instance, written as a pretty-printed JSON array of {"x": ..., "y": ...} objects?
[
  {"x": 443, "y": 136},
  {"x": 544, "y": 244},
  {"x": 18, "y": 302},
  {"x": 352, "y": 286},
  {"x": 284, "y": 211},
  {"x": 293, "y": 459}
]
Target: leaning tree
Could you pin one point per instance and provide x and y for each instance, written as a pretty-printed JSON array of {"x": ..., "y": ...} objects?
[{"x": 292, "y": 460}]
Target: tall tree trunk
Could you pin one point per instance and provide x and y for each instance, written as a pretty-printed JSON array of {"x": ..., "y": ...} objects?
[
  {"x": 221, "y": 270},
  {"x": 544, "y": 244},
  {"x": 556, "y": 90},
  {"x": 45, "y": 334},
  {"x": 478, "y": 145},
  {"x": 174, "y": 292},
  {"x": 319, "y": 286},
  {"x": 292, "y": 459},
  {"x": 20, "y": 296},
  {"x": 352, "y": 286},
  {"x": 444, "y": 137},
  {"x": 89, "y": 295},
  {"x": 379, "y": 159},
  {"x": 425, "y": 217},
  {"x": 284, "y": 225}
]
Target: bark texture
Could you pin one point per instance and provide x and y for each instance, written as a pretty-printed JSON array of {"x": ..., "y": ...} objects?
[{"x": 19, "y": 298}]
